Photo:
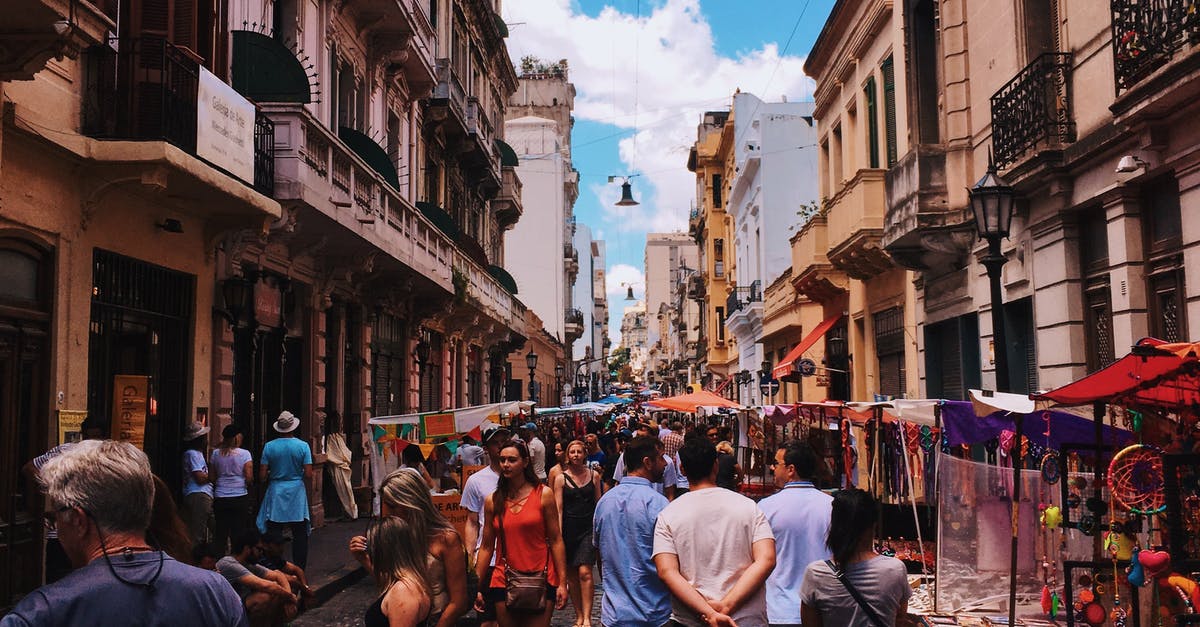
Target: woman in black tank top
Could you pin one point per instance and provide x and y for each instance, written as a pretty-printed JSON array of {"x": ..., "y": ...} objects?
[
  {"x": 398, "y": 561},
  {"x": 577, "y": 489}
]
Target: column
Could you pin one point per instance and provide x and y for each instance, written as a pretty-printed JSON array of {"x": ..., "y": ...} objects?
[
  {"x": 1058, "y": 295},
  {"x": 1126, "y": 275},
  {"x": 1189, "y": 194}
]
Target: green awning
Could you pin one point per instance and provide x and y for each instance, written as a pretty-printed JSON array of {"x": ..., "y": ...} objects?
[
  {"x": 508, "y": 156},
  {"x": 500, "y": 25},
  {"x": 505, "y": 279},
  {"x": 265, "y": 70},
  {"x": 372, "y": 153},
  {"x": 439, "y": 218}
]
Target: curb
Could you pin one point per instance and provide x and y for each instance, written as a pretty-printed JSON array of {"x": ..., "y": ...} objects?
[{"x": 341, "y": 580}]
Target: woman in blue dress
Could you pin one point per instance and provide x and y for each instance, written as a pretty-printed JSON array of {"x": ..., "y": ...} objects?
[{"x": 287, "y": 470}]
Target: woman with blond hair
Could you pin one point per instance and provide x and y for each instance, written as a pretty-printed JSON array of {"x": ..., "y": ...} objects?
[
  {"x": 404, "y": 494},
  {"x": 396, "y": 549},
  {"x": 729, "y": 472},
  {"x": 576, "y": 490}
]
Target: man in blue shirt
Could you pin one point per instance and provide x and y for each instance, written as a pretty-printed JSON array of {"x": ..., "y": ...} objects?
[
  {"x": 623, "y": 529},
  {"x": 799, "y": 518}
]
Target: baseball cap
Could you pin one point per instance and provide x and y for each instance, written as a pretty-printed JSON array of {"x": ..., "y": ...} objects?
[
  {"x": 530, "y": 426},
  {"x": 487, "y": 435}
]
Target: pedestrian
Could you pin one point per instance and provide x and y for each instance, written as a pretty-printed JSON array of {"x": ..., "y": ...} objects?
[
  {"x": 397, "y": 557},
  {"x": 287, "y": 470},
  {"x": 233, "y": 472},
  {"x": 670, "y": 478},
  {"x": 411, "y": 457},
  {"x": 537, "y": 449},
  {"x": 402, "y": 494},
  {"x": 881, "y": 582},
  {"x": 478, "y": 488},
  {"x": 521, "y": 526},
  {"x": 560, "y": 462},
  {"x": 594, "y": 454},
  {"x": 799, "y": 518},
  {"x": 556, "y": 433},
  {"x": 729, "y": 472},
  {"x": 99, "y": 496},
  {"x": 469, "y": 453},
  {"x": 57, "y": 564},
  {"x": 167, "y": 531},
  {"x": 713, "y": 548},
  {"x": 576, "y": 491},
  {"x": 623, "y": 530},
  {"x": 271, "y": 556},
  {"x": 197, "y": 485},
  {"x": 267, "y": 594}
]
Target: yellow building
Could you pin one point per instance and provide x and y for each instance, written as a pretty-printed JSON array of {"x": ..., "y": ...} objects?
[
  {"x": 837, "y": 257},
  {"x": 709, "y": 159}
]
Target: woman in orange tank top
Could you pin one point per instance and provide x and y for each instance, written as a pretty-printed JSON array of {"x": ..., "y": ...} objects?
[{"x": 524, "y": 511}]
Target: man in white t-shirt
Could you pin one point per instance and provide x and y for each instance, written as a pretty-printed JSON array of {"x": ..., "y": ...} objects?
[
  {"x": 478, "y": 488},
  {"x": 537, "y": 449},
  {"x": 713, "y": 548}
]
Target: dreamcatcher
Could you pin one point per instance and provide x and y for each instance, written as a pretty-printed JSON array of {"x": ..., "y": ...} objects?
[{"x": 1135, "y": 479}]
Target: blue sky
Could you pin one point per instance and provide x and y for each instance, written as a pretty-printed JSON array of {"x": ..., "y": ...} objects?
[{"x": 644, "y": 72}]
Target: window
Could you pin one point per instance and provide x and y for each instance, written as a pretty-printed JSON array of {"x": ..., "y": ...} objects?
[
  {"x": 720, "y": 320},
  {"x": 1164, "y": 260},
  {"x": 388, "y": 359},
  {"x": 952, "y": 357},
  {"x": 433, "y": 13},
  {"x": 716, "y": 191},
  {"x": 719, "y": 258},
  {"x": 872, "y": 123},
  {"x": 923, "y": 36},
  {"x": 835, "y": 154},
  {"x": 889, "y": 109},
  {"x": 889, "y": 348},
  {"x": 1097, "y": 295}
]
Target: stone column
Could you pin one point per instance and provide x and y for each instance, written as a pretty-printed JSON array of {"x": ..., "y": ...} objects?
[
  {"x": 1189, "y": 194},
  {"x": 1058, "y": 294},
  {"x": 1126, "y": 275}
]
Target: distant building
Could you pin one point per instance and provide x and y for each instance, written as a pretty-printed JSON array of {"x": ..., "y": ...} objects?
[
  {"x": 670, "y": 260},
  {"x": 633, "y": 337}
]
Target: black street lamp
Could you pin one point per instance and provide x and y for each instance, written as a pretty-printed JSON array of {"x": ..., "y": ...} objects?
[
  {"x": 992, "y": 201},
  {"x": 531, "y": 360}
]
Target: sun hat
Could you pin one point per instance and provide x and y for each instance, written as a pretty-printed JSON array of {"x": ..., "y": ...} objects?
[
  {"x": 193, "y": 431},
  {"x": 286, "y": 423}
]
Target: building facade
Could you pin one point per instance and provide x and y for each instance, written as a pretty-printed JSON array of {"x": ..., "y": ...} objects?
[
  {"x": 671, "y": 259},
  {"x": 634, "y": 338},
  {"x": 590, "y": 299},
  {"x": 300, "y": 211}
]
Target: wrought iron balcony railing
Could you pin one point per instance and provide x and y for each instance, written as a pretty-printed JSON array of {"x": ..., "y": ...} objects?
[
  {"x": 1146, "y": 33},
  {"x": 573, "y": 316},
  {"x": 741, "y": 297},
  {"x": 1034, "y": 108}
]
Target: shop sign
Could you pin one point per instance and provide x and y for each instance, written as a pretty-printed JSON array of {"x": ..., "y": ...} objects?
[
  {"x": 131, "y": 404},
  {"x": 268, "y": 305},
  {"x": 437, "y": 425},
  {"x": 448, "y": 505},
  {"x": 70, "y": 425},
  {"x": 224, "y": 127}
]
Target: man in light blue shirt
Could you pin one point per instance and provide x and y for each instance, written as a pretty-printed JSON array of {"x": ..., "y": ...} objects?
[
  {"x": 623, "y": 529},
  {"x": 799, "y": 517}
]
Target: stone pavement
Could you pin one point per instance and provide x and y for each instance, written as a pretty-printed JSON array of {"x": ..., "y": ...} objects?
[
  {"x": 346, "y": 609},
  {"x": 330, "y": 566}
]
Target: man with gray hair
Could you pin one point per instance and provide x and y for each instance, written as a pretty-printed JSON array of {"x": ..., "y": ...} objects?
[{"x": 99, "y": 495}]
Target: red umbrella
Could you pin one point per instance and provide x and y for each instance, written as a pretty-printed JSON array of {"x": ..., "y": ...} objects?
[
  {"x": 1153, "y": 374},
  {"x": 689, "y": 402}
]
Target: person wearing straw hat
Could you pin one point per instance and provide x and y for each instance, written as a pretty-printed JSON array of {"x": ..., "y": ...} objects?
[
  {"x": 197, "y": 486},
  {"x": 287, "y": 470}
]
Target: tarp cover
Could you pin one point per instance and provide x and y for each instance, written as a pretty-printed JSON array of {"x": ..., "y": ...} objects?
[
  {"x": 1155, "y": 374},
  {"x": 689, "y": 402},
  {"x": 962, "y": 426}
]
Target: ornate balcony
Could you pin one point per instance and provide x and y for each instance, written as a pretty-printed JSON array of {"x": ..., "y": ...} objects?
[
  {"x": 449, "y": 99},
  {"x": 813, "y": 275},
  {"x": 920, "y": 231},
  {"x": 1033, "y": 110},
  {"x": 507, "y": 203},
  {"x": 1155, "y": 57},
  {"x": 571, "y": 256},
  {"x": 854, "y": 223},
  {"x": 335, "y": 187},
  {"x": 573, "y": 328},
  {"x": 483, "y": 150}
]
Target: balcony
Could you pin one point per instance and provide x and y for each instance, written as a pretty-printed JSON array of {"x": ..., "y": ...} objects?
[
  {"x": 35, "y": 31},
  {"x": 744, "y": 306},
  {"x": 1033, "y": 110},
  {"x": 1155, "y": 57},
  {"x": 854, "y": 223},
  {"x": 449, "y": 99},
  {"x": 921, "y": 232},
  {"x": 483, "y": 142},
  {"x": 571, "y": 256},
  {"x": 318, "y": 172},
  {"x": 573, "y": 328},
  {"x": 695, "y": 287},
  {"x": 813, "y": 275},
  {"x": 507, "y": 203},
  {"x": 147, "y": 90}
]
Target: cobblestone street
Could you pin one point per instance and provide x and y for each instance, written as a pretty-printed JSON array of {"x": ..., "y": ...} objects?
[{"x": 346, "y": 609}]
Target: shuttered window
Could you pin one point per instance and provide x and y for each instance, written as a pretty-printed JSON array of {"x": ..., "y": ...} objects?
[
  {"x": 872, "y": 123},
  {"x": 889, "y": 109},
  {"x": 431, "y": 375},
  {"x": 388, "y": 359},
  {"x": 1097, "y": 323},
  {"x": 1164, "y": 260},
  {"x": 716, "y": 190},
  {"x": 889, "y": 348}
]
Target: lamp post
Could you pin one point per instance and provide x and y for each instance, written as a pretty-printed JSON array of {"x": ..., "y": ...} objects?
[
  {"x": 531, "y": 360},
  {"x": 558, "y": 377},
  {"x": 992, "y": 201}
]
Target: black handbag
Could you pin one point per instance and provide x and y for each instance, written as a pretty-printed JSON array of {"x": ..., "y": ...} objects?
[
  {"x": 525, "y": 591},
  {"x": 841, "y": 576}
]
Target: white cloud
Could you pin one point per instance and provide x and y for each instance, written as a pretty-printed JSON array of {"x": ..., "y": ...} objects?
[{"x": 658, "y": 74}]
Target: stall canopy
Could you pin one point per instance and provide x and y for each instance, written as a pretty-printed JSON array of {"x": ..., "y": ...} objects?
[
  {"x": 1154, "y": 373},
  {"x": 613, "y": 399},
  {"x": 788, "y": 364},
  {"x": 689, "y": 402},
  {"x": 465, "y": 419}
]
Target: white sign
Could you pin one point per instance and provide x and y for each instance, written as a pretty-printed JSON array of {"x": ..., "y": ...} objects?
[{"x": 225, "y": 127}]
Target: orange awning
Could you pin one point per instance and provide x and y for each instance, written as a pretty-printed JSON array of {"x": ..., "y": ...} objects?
[
  {"x": 787, "y": 365},
  {"x": 689, "y": 402}
]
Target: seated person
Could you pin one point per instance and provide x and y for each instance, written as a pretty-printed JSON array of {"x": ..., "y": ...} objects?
[
  {"x": 272, "y": 557},
  {"x": 205, "y": 556},
  {"x": 266, "y": 593}
]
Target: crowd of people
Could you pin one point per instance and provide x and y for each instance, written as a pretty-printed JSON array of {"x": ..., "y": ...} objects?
[{"x": 652, "y": 510}]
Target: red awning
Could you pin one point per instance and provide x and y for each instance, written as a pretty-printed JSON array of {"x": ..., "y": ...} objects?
[
  {"x": 689, "y": 402},
  {"x": 1154, "y": 374},
  {"x": 787, "y": 364}
]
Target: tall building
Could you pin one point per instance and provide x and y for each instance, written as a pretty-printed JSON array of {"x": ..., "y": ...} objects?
[
  {"x": 634, "y": 326},
  {"x": 201, "y": 223},
  {"x": 773, "y": 180},
  {"x": 591, "y": 300},
  {"x": 538, "y": 127},
  {"x": 669, "y": 259}
]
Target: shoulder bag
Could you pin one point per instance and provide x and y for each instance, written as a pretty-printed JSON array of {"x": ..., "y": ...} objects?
[
  {"x": 841, "y": 576},
  {"x": 524, "y": 590}
]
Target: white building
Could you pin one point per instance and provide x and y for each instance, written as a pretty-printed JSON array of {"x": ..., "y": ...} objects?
[
  {"x": 668, "y": 257},
  {"x": 775, "y": 175},
  {"x": 590, "y": 299},
  {"x": 539, "y": 130}
]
